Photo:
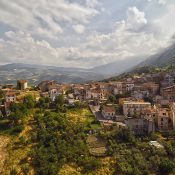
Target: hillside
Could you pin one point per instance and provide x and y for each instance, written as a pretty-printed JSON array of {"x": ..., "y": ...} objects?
[
  {"x": 160, "y": 62},
  {"x": 35, "y": 73},
  {"x": 117, "y": 67},
  {"x": 43, "y": 139},
  {"x": 164, "y": 58}
]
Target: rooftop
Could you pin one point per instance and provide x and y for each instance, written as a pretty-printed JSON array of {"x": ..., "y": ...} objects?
[
  {"x": 10, "y": 94},
  {"x": 108, "y": 108},
  {"x": 22, "y": 81},
  {"x": 136, "y": 102}
]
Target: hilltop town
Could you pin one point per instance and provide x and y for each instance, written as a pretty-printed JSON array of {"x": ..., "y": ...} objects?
[
  {"x": 136, "y": 107},
  {"x": 144, "y": 104}
]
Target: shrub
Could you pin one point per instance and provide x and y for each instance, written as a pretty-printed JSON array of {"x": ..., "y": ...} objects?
[
  {"x": 166, "y": 166},
  {"x": 25, "y": 168}
]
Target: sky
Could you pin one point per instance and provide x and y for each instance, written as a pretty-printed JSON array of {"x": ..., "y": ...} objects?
[{"x": 83, "y": 33}]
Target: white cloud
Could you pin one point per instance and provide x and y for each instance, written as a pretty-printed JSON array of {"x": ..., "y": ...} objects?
[
  {"x": 135, "y": 18},
  {"x": 92, "y": 3},
  {"x": 43, "y": 16},
  {"x": 161, "y": 2},
  {"x": 79, "y": 28},
  {"x": 22, "y": 47},
  {"x": 32, "y": 37}
]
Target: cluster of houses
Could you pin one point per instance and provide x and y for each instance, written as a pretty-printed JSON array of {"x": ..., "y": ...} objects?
[
  {"x": 147, "y": 102},
  {"x": 11, "y": 94}
]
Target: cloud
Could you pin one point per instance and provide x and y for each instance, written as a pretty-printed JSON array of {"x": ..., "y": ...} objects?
[
  {"x": 79, "y": 28},
  {"x": 135, "y": 18},
  {"x": 43, "y": 17},
  {"x": 45, "y": 32},
  {"x": 92, "y": 3},
  {"x": 126, "y": 41},
  {"x": 161, "y": 2},
  {"x": 22, "y": 47}
]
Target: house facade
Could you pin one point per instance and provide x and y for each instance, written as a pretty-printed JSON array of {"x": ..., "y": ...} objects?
[
  {"x": 133, "y": 108},
  {"x": 22, "y": 84},
  {"x": 10, "y": 97},
  {"x": 108, "y": 112}
]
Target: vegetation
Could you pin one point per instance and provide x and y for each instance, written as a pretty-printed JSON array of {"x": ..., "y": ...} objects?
[
  {"x": 49, "y": 138},
  {"x": 60, "y": 142},
  {"x": 144, "y": 70},
  {"x": 134, "y": 156},
  {"x": 97, "y": 146}
]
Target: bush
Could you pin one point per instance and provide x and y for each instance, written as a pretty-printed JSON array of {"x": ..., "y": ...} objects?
[
  {"x": 166, "y": 166},
  {"x": 17, "y": 129},
  {"x": 91, "y": 164},
  {"x": 13, "y": 172},
  {"x": 25, "y": 168}
]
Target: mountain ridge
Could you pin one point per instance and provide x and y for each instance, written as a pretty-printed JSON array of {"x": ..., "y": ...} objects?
[
  {"x": 164, "y": 58},
  {"x": 9, "y": 73}
]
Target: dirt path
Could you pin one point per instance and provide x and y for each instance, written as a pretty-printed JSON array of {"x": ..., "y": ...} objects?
[{"x": 3, "y": 151}]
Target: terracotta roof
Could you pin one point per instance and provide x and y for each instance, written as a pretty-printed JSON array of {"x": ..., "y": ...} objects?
[
  {"x": 58, "y": 87},
  {"x": 22, "y": 81},
  {"x": 108, "y": 108},
  {"x": 10, "y": 94},
  {"x": 96, "y": 91}
]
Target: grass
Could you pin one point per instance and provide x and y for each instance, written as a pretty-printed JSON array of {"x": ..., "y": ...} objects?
[
  {"x": 4, "y": 141},
  {"x": 70, "y": 170},
  {"x": 107, "y": 167},
  {"x": 19, "y": 149},
  {"x": 95, "y": 126},
  {"x": 83, "y": 116},
  {"x": 80, "y": 115},
  {"x": 34, "y": 94}
]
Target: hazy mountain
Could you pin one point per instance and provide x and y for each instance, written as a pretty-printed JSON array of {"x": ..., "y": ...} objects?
[
  {"x": 35, "y": 73},
  {"x": 164, "y": 58},
  {"x": 117, "y": 67}
]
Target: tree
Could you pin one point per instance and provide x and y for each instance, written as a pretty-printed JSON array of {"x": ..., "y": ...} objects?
[
  {"x": 1, "y": 94},
  {"x": 126, "y": 135},
  {"x": 25, "y": 168},
  {"x": 42, "y": 103},
  {"x": 166, "y": 166},
  {"x": 119, "y": 109},
  {"x": 125, "y": 168},
  {"x": 29, "y": 101},
  {"x": 15, "y": 117},
  {"x": 112, "y": 99},
  {"x": 59, "y": 100}
]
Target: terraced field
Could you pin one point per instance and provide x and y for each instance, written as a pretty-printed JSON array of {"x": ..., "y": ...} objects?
[{"x": 97, "y": 146}]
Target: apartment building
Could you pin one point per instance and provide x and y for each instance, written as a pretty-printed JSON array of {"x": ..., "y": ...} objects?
[{"x": 135, "y": 108}]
